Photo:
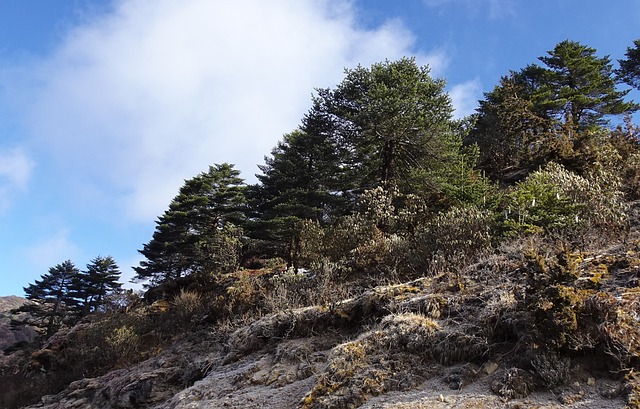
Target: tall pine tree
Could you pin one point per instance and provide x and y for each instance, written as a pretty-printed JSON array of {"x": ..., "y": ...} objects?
[
  {"x": 53, "y": 298},
  {"x": 394, "y": 122},
  {"x": 201, "y": 231},
  {"x": 93, "y": 286},
  {"x": 629, "y": 71},
  {"x": 577, "y": 87},
  {"x": 548, "y": 113}
]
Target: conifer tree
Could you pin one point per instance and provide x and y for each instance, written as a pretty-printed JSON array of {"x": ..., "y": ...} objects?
[
  {"x": 393, "y": 121},
  {"x": 548, "y": 113},
  {"x": 577, "y": 87},
  {"x": 93, "y": 286},
  {"x": 200, "y": 232},
  {"x": 299, "y": 181},
  {"x": 53, "y": 298},
  {"x": 388, "y": 126},
  {"x": 629, "y": 71}
]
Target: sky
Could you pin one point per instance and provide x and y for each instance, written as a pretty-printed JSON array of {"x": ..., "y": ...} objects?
[{"x": 107, "y": 106}]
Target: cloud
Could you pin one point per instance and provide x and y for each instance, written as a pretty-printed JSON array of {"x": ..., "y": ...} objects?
[
  {"x": 465, "y": 97},
  {"x": 46, "y": 253},
  {"x": 497, "y": 9},
  {"x": 15, "y": 172},
  {"x": 136, "y": 101}
]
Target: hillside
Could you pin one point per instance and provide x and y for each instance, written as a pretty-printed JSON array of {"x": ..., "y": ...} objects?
[
  {"x": 390, "y": 255},
  {"x": 497, "y": 334},
  {"x": 8, "y": 335}
]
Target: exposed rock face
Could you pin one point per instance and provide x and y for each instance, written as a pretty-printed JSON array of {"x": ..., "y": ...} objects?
[
  {"x": 148, "y": 384},
  {"x": 8, "y": 335},
  {"x": 403, "y": 346}
]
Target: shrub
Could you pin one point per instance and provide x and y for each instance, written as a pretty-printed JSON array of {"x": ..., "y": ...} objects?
[
  {"x": 356, "y": 243},
  {"x": 552, "y": 368},
  {"x": 453, "y": 237},
  {"x": 555, "y": 199},
  {"x": 221, "y": 252},
  {"x": 124, "y": 343},
  {"x": 187, "y": 305},
  {"x": 538, "y": 205}
]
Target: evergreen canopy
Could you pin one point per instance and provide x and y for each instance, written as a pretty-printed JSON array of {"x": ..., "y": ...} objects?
[{"x": 199, "y": 233}]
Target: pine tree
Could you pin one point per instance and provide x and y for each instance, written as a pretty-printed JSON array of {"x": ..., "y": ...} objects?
[
  {"x": 388, "y": 126},
  {"x": 629, "y": 71},
  {"x": 513, "y": 138},
  {"x": 299, "y": 181},
  {"x": 93, "y": 286},
  {"x": 53, "y": 299},
  {"x": 392, "y": 120},
  {"x": 548, "y": 113},
  {"x": 200, "y": 232},
  {"x": 577, "y": 87}
]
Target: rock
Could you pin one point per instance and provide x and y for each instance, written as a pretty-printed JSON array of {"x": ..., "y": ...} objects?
[{"x": 490, "y": 367}]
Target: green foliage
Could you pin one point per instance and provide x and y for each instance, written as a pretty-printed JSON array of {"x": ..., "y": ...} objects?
[
  {"x": 393, "y": 120},
  {"x": 543, "y": 114},
  {"x": 513, "y": 139},
  {"x": 221, "y": 251},
  {"x": 65, "y": 294},
  {"x": 538, "y": 205},
  {"x": 199, "y": 233},
  {"x": 389, "y": 126},
  {"x": 453, "y": 237},
  {"x": 54, "y": 298},
  {"x": 577, "y": 87},
  {"x": 555, "y": 199},
  {"x": 299, "y": 182},
  {"x": 93, "y": 286},
  {"x": 629, "y": 71}
]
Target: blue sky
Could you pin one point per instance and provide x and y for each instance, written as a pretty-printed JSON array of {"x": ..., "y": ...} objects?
[{"x": 106, "y": 107}]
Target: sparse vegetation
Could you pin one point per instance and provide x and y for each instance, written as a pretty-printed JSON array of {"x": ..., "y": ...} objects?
[{"x": 375, "y": 232}]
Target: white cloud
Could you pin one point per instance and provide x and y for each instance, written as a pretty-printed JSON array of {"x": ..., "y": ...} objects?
[
  {"x": 15, "y": 172},
  {"x": 46, "y": 253},
  {"x": 496, "y": 8},
  {"x": 465, "y": 97},
  {"x": 15, "y": 167},
  {"x": 140, "y": 99}
]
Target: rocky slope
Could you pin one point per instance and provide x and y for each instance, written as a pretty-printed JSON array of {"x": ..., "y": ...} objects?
[
  {"x": 519, "y": 329},
  {"x": 9, "y": 336}
]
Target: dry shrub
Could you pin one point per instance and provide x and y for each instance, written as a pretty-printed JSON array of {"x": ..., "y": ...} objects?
[
  {"x": 355, "y": 242},
  {"x": 390, "y": 357},
  {"x": 413, "y": 332},
  {"x": 288, "y": 290},
  {"x": 187, "y": 306},
  {"x": 92, "y": 348},
  {"x": 114, "y": 340},
  {"x": 453, "y": 238},
  {"x": 293, "y": 289},
  {"x": 243, "y": 295},
  {"x": 632, "y": 390},
  {"x": 552, "y": 368},
  {"x": 513, "y": 383},
  {"x": 372, "y": 241},
  {"x": 631, "y": 175},
  {"x": 614, "y": 320},
  {"x": 124, "y": 343}
]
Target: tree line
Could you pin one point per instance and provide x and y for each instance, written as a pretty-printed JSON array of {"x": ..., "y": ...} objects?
[
  {"x": 380, "y": 176},
  {"x": 65, "y": 294},
  {"x": 381, "y": 155}
]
